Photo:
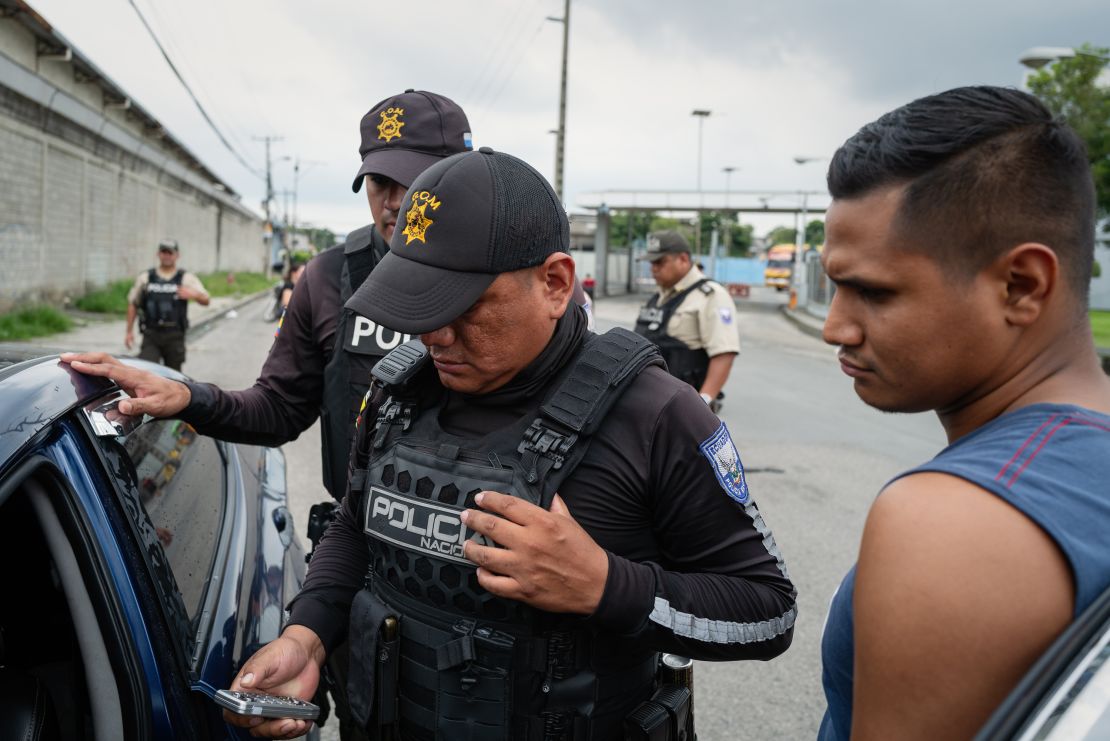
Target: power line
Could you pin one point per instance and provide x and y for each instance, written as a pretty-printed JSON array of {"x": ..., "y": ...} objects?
[
  {"x": 185, "y": 85},
  {"x": 492, "y": 81},
  {"x": 165, "y": 33}
]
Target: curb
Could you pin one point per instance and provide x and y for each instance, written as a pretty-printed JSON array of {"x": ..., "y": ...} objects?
[
  {"x": 813, "y": 330},
  {"x": 203, "y": 323}
]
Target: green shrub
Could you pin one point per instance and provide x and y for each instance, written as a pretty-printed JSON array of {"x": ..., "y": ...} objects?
[
  {"x": 1100, "y": 326},
  {"x": 33, "y": 321},
  {"x": 112, "y": 299},
  {"x": 241, "y": 284}
]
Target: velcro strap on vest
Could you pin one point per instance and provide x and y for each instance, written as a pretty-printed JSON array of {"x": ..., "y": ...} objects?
[
  {"x": 458, "y": 651},
  {"x": 585, "y": 395}
]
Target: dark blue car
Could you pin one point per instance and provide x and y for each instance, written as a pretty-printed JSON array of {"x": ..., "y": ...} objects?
[{"x": 143, "y": 562}]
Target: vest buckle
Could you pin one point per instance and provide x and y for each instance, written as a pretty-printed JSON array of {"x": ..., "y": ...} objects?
[{"x": 540, "y": 439}]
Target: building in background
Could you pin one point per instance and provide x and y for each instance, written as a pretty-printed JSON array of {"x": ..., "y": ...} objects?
[{"x": 90, "y": 182}]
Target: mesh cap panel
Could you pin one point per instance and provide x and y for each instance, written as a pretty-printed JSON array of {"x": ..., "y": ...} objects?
[{"x": 528, "y": 220}]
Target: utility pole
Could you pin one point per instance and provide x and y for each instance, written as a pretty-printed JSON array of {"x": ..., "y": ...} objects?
[
  {"x": 269, "y": 177},
  {"x": 561, "y": 132}
]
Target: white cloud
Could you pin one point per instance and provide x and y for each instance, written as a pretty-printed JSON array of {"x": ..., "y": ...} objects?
[{"x": 781, "y": 79}]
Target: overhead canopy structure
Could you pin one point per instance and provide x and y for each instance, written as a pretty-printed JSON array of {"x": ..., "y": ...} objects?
[
  {"x": 746, "y": 201},
  {"x": 798, "y": 202}
]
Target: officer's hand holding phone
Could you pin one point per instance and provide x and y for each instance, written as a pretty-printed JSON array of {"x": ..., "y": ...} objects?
[{"x": 289, "y": 667}]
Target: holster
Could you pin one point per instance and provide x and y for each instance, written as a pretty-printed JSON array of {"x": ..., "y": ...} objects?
[
  {"x": 667, "y": 716},
  {"x": 375, "y": 643}
]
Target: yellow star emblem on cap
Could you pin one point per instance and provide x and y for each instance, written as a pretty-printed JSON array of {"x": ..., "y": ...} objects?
[
  {"x": 390, "y": 127},
  {"x": 416, "y": 219}
]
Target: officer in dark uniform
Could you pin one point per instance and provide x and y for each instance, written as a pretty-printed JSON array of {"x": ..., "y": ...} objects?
[
  {"x": 322, "y": 354},
  {"x": 691, "y": 318},
  {"x": 534, "y": 511},
  {"x": 160, "y": 299}
]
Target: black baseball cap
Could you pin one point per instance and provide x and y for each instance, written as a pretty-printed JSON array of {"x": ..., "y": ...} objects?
[
  {"x": 405, "y": 134},
  {"x": 661, "y": 244},
  {"x": 467, "y": 219}
]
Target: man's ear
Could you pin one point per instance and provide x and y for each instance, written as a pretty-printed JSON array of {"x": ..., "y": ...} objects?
[
  {"x": 558, "y": 275},
  {"x": 1031, "y": 272}
]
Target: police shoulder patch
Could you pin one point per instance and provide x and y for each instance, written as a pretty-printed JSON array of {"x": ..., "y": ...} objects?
[
  {"x": 706, "y": 288},
  {"x": 722, "y": 455}
]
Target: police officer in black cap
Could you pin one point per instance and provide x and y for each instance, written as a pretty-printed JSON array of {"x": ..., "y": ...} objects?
[
  {"x": 690, "y": 318},
  {"x": 534, "y": 511},
  {"x": 320, "y": 362}
]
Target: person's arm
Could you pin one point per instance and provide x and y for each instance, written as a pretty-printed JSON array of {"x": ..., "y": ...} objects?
[
  {"x": 720, "y": 339},
  {"x": 283, "y": 403},
  {"x": 718, "y": 590},
  {"x": 192, "y": 288},
  {"x": 289, "y": 666},
  {"x": 133, "y": 310},
  {"x": 957, "y": 594},
  {"x": 129, "y": 334},
  {"x": 335, "y": 574},
  {"x": 719, "y": 368}
]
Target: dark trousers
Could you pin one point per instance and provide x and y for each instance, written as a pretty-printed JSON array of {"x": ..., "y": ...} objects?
[{"x": 165, "y": 345}]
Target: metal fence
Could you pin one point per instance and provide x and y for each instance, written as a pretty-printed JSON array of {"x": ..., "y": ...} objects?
[{"x": 819, "y": 289}]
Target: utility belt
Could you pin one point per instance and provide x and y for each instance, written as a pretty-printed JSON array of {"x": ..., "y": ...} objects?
[{"x": 461, "y": 677}]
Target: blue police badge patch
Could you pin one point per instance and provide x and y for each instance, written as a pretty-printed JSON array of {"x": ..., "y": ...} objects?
[
  {"x": 726, "y": 315},
  {"x": 721, "y": 452}
]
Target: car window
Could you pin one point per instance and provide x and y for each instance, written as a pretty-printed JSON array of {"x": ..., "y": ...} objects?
[{"x": 180, "y": 478}]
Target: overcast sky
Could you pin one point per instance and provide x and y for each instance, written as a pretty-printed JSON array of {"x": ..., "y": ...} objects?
[{"x": 781, "y": 79}]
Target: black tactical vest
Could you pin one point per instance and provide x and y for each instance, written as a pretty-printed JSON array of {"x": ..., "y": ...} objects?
[
  {"x": 465, "y": 664},
  {"x": 683, "y": 363},
  {"x": 162, "y": 309},
  {"x": 359, "y": 343}
]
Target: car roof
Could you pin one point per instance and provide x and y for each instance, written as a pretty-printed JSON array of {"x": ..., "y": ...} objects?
[{"x": 36, "y": 392}]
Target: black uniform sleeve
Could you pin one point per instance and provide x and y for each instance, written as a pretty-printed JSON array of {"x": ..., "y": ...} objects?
[
  {"x": 704, "y": 577},
  {"x": 285, "y": 400},
  {"x": 335, "y": 574}
]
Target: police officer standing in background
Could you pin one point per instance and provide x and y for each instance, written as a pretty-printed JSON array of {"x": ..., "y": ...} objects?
[
  {"x": 534, "y": 511},
  {"x": 160, "y": 297},
  {"x": 691, "y": 318},
  {"x": 322, "y": 354}
]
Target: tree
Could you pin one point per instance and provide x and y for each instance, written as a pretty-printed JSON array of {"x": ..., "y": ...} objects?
[
  {"x": 735, "y": 238},
  {"x": 1069, "y": 88},
  {"x": 782, "y": 235},
  {"x": 815, "y": 233},
  {"x": 629, "y": 227}
]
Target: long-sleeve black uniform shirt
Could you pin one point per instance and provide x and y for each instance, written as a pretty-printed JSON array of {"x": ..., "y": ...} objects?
[
  {"x": 286, "y": 398},
  {"x": 692, "y": 570}
]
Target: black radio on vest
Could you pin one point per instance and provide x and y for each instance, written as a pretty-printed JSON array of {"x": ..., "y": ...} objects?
[
  {"x": 161, "y": 308},
  {"x": 470, "y": 664},
  {"x": 683, "y": 363}
]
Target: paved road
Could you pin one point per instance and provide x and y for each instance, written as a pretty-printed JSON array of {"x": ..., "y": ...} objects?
[{"x": 815, "y": 458}]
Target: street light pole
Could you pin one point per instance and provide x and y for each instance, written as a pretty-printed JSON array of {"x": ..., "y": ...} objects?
[
  {"x": 801, "y": 287},
  {"x": 728, "y": 170},
  {"x": 701, "y": 114},
  {"x": 561, "y": 132}
]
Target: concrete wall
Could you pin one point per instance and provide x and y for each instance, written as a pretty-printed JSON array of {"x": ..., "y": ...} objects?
[{"x": 77, "y": 209}]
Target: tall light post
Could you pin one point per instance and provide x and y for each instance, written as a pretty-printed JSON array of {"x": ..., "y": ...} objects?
[
  {"x": 1039, "y": 56},
  {"x": 701, "y": 114},
  {"x": 801, "y": 287},
  {"x": 561, "y": 132},
  {"x": 728, "y": 170}
]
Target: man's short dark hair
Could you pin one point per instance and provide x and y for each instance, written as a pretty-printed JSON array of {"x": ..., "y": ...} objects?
[{"x": 985, "y": 169}]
